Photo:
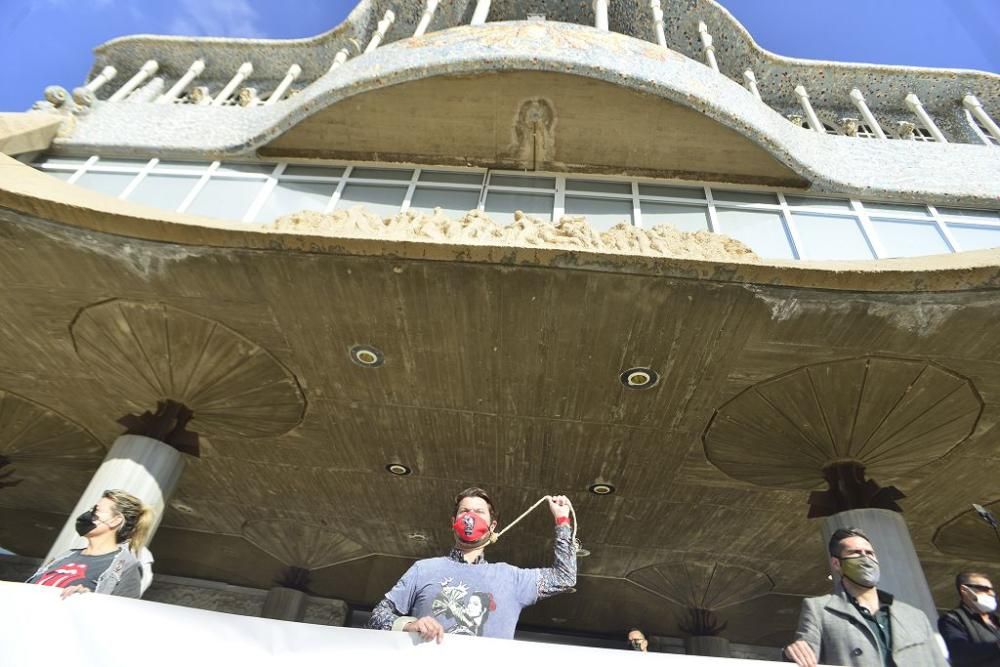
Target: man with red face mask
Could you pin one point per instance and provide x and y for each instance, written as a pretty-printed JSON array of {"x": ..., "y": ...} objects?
[{"x": 463, "y": 594}]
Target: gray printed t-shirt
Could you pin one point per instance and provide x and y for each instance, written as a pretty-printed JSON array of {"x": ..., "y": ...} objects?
[
  {"x": 75, "y": 569},
  {"x": 483, "y": 600}
]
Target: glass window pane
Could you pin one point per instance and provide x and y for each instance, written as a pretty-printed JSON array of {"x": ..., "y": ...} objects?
[
  {"x": 816, "y": 202},
  {"x": 763, "y": 231},
  {"x": 383, "y": 174},
  {"x": 134, "y": 165},
  {"x": 225, "y": 198},
  {"x": 522, "y": 181},
  {"x": 601, "y": 213},
  {"x": 321, "y": 172},
  {"x": 382, "y": 200},
  {"x": 671, "y": 191},
  {"x": 911, "y": 209},
  {"x": 291, "y": 197},
  {"x": 163, "y": 190},
  {"x": 460, "y": 177},
  {"x": 239, "y": 168},
  {"x": 745, "y": 197},
  {"x": 973, "y": 237},
  {"x": 993, "y": 216},
  {"x": 109, "y": 184},
  {"x": 501, "y": 206},
  {"x": 453, "y": 203},
  {"x": 180, "y": 165},
  {"x": 909, "y": 239},
  {"x": 600, "y": 186},
  {"x": 827, "y": 237},
  {"x": 686, "y": 218}
]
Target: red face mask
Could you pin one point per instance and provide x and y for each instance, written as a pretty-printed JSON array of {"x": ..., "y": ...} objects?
[{"x": 470, "y": 527}]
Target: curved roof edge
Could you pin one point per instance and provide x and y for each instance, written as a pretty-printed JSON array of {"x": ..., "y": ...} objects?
[
  {"x": 27, "y": 195},
  {"x": 944, "y": 173}
]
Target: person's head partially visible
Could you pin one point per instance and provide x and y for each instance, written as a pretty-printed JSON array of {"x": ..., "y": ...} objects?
[
  {"x": 474, "y": 517},
  {"x": 977, "y": 592},
  {"x": 852, "y": 556},
  {"x": 637, "y": 640}
]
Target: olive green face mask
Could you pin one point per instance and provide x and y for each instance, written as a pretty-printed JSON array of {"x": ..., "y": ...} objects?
[{"x": 861, "y": 570}]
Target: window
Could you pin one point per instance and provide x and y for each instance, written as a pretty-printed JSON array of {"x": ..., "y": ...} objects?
[
  {"x": 922, "y": 134},
  {"x": 909, "y": 238},
  {"x": 975, "y": 237},
  {"x": 163, "y": 190},
  {"x": 602, "y": 214},
  {"x": 763, "y": 231},
  {"x": 829, "y": 237},
  {"x": 685, "y": 217},
  {"x": 866, "y": 132},
  {"x": 533, "y": 195}
]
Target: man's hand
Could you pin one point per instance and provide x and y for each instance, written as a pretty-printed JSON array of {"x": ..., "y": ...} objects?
[
  {"x": 559, "y": 506},
  {"x": 428, "y": 627},
  {"x": 801, "y": 654},
  {"x": 72, "y": 590}
]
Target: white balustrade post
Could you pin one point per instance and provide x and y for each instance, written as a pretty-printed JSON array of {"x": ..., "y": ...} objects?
[
  {"x": 293, "y": 73},
  {"x": 106, "y": 75},
  {"x": 425, "y": 18},
  {"x": 245, "y": 70},
  {"x": 601, "y": 14},
  {"x": 147, "y": 70},
  {"x": 913, "y": 103},
  {"x": 149, "y": 92},
  {"x": 751, "y": 82},
  {"x": 975, "y": 107},
  {"x": 196, "y": 68},
  {"x": 482, "y": 12},
  {"x": 814, "y": 124},
  {"x": 708, "y": 48},
  {"x": 146, "y": 468},
  {"x": 383, "y": 27},
  {"x": 661, "y": 36},
  {"x": 859, "y": 101}
]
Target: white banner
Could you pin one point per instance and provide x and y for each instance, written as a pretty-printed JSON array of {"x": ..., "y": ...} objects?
[{"x": 39, "y": 629}]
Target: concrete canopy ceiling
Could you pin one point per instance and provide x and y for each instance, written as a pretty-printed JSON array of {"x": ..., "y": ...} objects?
[{"x": 501, "y": 369}]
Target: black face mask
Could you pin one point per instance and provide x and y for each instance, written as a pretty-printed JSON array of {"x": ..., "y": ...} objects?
[
  {"x": 85, "y": 523},
  {"x": 635, "y": 644}
]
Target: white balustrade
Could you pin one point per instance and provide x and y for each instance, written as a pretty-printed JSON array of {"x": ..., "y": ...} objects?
[
  {"x": 482, "y": 12},
  {"x": 149, "y": 92},
  {"x": 601, "y": 14},
  {"x": 661, "y": 36},
  {"x": 425, "y": 18},
  {"x": 814, "y": 123},
  {"x": 383, "y": 27},
  {"x": 859, "y": 101},
  {"x": 751, "y": 82},
  {"x": 106, "y": 75},
  {"x": 975, "y": 107},
  {"x": 913, "y": 103},
  {"x": 293, "y": 73},
  {"x": 196, "y": 68},
  {"x": 245, "y": 70},
  {"x": 147, "y": 70},
  {"x": 707, "y": 46}
]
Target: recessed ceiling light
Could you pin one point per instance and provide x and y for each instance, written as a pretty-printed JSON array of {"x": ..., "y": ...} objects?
[
  {"x": 639, "y": 378},
  {"x": 398, "y": 469},
  {"x": 367, "y": 356},
  {"x": 181, "y": 507},
  {"x": 557, "y": 619},
  {"x": 582, "y": 553},
  {"x": 601, "y": 489},
  {"x": 417, "y": 537}
]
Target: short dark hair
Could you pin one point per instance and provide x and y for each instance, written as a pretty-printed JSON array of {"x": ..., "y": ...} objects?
[
  {"x": 962, "y": 578},
  {"x": 842, "y": 534},
  {"x": 475, "y": 492}
]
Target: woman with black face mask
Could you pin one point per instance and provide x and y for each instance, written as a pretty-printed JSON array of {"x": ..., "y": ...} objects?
[{"x": 116, "y": 529}]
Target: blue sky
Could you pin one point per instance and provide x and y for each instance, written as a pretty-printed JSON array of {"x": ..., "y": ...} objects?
[{"x": 45, "y": 42}]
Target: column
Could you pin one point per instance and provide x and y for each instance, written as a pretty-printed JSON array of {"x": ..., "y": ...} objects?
[
  {"x": 380, "y": 30},
  {"x": 913, "y": 103},
  {"x": 601, "y": 14},
  {"x": 814, "y": 124},
  {"x": 661, "y": 36},
  {"x": 975, "y": 107},
  {"x": 196, "y": 68},
  {"x": 147, "y": 70},
  {"x": 901, "y": 573},
  {"x": 245, "y": 70},
  {"x": 708, "y": 48},
  {"x": 750, "y": 79},
  {"x": 859, "y": 101},
  {"x": 284, "y": 604},
  {"x": 425, "y": 18},
  {"x": 482, "y": 12},
  {"x": 147, "y": 468}
]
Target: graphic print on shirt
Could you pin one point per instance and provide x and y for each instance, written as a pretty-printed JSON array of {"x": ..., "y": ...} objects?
[
  {"x": 469, "y": 610},
  {"x": 64, "y": 576}
]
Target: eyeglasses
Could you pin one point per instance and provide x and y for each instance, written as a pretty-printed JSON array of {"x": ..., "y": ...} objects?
[{"x": 979, "y": 588}]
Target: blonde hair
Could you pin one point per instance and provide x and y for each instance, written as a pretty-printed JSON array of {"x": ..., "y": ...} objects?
[{"x": 138, "y": 518}]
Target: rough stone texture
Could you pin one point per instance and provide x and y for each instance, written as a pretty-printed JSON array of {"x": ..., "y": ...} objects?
[
  {"x": 477, "y": 228},
  {"x": 955, "y": 173}
]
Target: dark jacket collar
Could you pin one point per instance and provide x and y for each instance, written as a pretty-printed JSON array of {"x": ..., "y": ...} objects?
[
  {"x": 841, "y": 605},
  {"x": 458, "y": 555}
]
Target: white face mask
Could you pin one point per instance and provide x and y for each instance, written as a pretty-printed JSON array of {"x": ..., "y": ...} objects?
[{"x": 985, "y": 603}]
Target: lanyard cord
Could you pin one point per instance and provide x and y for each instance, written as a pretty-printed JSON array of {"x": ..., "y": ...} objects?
[{"x": 576, "y": 543}]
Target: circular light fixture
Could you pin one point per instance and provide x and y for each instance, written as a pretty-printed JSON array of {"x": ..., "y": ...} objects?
[
  {"x": 367, "y": 356},
  {"x": 398, "y": 469},
  {"x": 601, "y": 489},
  {"x": 639, "y": 378},
  {"x": 558, "y": 620},
  {"x": 582, "y": 553},
  {"x": 417, "y": 537}
]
